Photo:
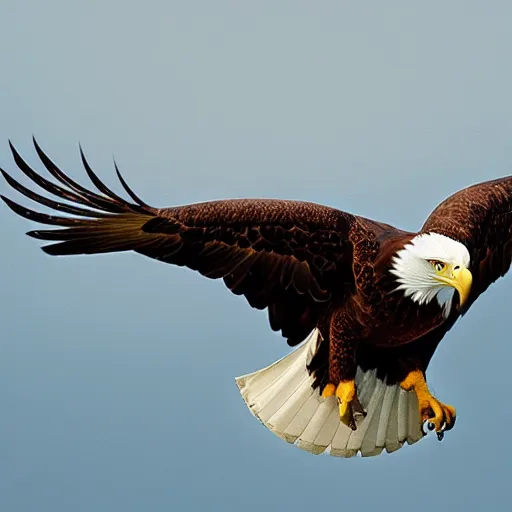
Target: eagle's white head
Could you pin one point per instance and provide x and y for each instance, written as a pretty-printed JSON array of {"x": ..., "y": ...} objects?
[{"x": 433, "y": 266}]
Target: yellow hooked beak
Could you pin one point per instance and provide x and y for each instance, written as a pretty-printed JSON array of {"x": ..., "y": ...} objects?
[
  {"x": 462, "y": 281},
  {"x": 460, "y": 278}
]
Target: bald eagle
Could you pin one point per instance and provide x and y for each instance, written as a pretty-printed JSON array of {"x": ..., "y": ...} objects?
[{"x": 366, "y": 304}]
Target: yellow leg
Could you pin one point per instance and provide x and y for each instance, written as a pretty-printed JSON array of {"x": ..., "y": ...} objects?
[{"x": 440, "y": 415}]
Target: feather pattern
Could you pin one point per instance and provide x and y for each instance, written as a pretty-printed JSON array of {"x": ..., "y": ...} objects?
[
  {"x": 307, "y": 264},
  {"x": 480, "y": 217},
  {"x": 291, "y": 257}
]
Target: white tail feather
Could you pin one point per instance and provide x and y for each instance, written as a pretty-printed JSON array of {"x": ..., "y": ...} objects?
[{"x": 282, "y": 398}]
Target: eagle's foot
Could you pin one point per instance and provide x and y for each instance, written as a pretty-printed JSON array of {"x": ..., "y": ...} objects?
[
  {"x": 440, "y": 417},
  {"x": 350, "y": 408}
]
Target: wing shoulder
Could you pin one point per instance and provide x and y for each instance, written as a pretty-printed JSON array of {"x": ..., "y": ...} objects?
[{"x": 480, "y": 217}]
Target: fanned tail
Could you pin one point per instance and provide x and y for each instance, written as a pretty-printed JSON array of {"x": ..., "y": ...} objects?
[{"x": 282, "y": 398}]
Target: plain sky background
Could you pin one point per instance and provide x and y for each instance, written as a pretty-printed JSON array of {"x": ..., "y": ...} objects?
[{"x": 117, "y": 372}]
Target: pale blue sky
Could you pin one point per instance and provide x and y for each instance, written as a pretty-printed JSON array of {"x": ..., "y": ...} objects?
[{"x": 117, "y": 372}]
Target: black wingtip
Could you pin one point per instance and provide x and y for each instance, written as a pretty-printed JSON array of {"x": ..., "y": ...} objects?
[
  {"x": 94, "y": 178},
  {"x": 9, "y": 202},
  {"x": 33, "y": 234},
  {"x": 17, "y": 157},
  {"x": 8, "y": 178},
  {"x": 17, "y": 208},
  {"x": 11, "y": 181},
  {"x": 47, "y": 234},
  {"x": 82, "y": 155},
  {"x": 15, "y": 154},
  {"x": 107, "y": 202},
  {"x": 42, "y": 155},
  {"x": 12, "y": 148},
  {"x": 50, "y": 249},
  {"x": 127, "y": 188},
  {"x": 36, "y": 144}
]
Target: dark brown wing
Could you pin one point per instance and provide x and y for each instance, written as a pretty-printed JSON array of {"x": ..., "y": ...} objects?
[
  {"x": 293, "y": 258},
  {"x": 480, "y": 217}
]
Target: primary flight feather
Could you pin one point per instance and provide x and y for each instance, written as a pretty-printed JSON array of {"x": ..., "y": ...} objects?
[{"x": 369, "y": 302}]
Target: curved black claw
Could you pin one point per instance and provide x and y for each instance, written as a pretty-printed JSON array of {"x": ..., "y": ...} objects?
[
  {"x": 449, "y": 426},
  {"x": 355, "y": 414},
  {"x": 441, "y": 422}
]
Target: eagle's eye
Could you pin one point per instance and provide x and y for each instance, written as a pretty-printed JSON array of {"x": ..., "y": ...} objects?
[{"x": 439, "y": 266}]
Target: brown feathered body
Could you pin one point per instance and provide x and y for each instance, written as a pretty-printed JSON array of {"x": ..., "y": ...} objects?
[{"x": 310, "y": 266}]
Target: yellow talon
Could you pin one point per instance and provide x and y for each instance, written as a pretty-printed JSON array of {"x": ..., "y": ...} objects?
[
  {"x": 328, "y": 390},
  {"x": 440, "y": 415},
  {"x": 347, "y": 401},
  {"x": 345, "y": 392}
]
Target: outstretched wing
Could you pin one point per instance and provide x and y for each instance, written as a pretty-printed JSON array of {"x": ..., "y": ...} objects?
[
  {"x": 291, "y": 257},
  {"x": 480, "y": 217}
]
